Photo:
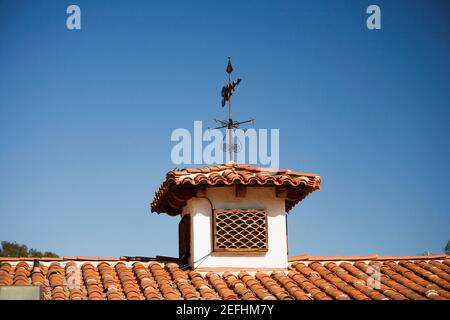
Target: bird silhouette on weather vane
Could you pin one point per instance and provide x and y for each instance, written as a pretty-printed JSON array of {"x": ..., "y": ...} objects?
[{"x": 230, "y": 124}]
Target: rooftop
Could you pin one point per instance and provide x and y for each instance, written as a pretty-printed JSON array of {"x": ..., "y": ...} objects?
[{"x": 307, "y": 278}]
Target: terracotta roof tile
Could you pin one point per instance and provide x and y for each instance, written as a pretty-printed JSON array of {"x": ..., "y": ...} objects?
[
  {"x": 164, "y": 281},
  {"x": 309, "y": 278},
  {"x": 290, "y": 285},
  {"x": 181, "y": 279},
  {"x": 201, "y": 285},
  {"x": 129, "y": 283},
  {"x": 358, "y": 284},
  {"x": 256, "y": 286},
  {"x": 308, "y": 286},
  {"x": 170, "y": 200},
  {"x": 392, "y": 280},
  {"x": 275, "y": 289},
  {"x": 436, "y": 268},
  {"x": 320, "y": 282},
  {"x": 223, "y": 288},
  {"x": 384, "y": 289},
  {"x": 240, "y": 287},
  {"x": 147, "y": 283},
  {"x": 110, "y": 281},
  {"x": 340, "y": 284}
]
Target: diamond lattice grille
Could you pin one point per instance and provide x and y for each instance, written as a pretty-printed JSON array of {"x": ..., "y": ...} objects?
[{"x": 240, "y": 230}]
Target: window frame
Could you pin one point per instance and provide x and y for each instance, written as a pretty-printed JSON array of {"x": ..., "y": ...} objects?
[{"x": 218, "y": 249}]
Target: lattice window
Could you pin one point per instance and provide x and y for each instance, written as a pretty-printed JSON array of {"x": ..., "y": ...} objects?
[{"x": 240, "y": 230}]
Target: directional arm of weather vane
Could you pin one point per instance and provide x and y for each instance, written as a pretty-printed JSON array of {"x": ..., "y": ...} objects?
[
  {"x": 222, "y": 127},
  {"x": 222, "y": 122}
]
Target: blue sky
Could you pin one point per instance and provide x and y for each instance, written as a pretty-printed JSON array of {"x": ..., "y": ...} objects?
[{"x": 86, "y": 117}]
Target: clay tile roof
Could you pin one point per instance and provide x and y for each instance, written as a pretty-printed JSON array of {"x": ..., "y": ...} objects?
[
  {"x": 180, "y": 185},
  {"x": 308, "y": 278}
]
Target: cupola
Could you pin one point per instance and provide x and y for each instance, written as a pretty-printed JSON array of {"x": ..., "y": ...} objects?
[{"x": 233, "y": 216}]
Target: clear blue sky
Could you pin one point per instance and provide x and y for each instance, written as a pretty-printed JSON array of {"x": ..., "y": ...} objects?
[{"x": 86, "y": 117}]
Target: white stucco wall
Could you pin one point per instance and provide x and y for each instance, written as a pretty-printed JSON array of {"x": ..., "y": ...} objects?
[{"x": 224, "y": 198}]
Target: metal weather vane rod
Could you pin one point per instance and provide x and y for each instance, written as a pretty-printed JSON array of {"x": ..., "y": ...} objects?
[{"x": 226, "y": 93}]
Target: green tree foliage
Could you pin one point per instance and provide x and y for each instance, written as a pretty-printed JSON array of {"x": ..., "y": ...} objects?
[
  {"x": 447, "y": 248},
  {"x": 13, "y": 249}
]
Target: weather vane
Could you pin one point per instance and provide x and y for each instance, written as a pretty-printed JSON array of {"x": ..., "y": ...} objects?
[{"x": 230, "y": 124}]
